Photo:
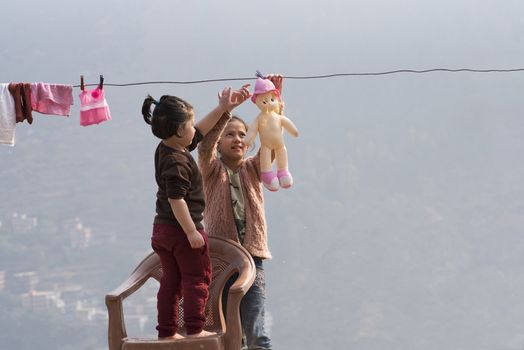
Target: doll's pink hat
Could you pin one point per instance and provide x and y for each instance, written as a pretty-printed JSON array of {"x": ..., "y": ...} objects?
[{"x": 262, "y": 86}]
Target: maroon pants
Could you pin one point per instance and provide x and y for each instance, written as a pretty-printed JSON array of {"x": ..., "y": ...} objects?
[{"x": 187, "y": 273}]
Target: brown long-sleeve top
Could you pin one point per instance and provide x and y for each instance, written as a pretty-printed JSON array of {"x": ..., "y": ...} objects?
[
  {"x": 178, "y": 177},
  {"x": 218, "y": 213}
]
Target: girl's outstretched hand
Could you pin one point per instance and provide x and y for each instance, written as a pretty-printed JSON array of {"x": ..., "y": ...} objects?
[
  {"x": 242, "y": 94},
  {"x": 277, "y": 80},
  {"x": 230, "y": 99}
]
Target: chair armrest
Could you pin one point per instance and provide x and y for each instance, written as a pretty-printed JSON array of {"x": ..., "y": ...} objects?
[
  {"x": 115, "y": 298},
  {"x": 139, "y": 276},
  {"x": 236, "y": 293},
  {"x": 116, "y": 327},
  {"x": 128, "y": 287},
  {"x": 245, "y": 280},
  {"x": 233, "y": 338}
]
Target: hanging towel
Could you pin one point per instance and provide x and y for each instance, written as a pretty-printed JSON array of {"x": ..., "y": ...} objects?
[
  {"x": 52, "y": 98},
  {"x": 21, "y": 93},
  {"x": 7, "y": 116},
  {"x": 93, "y": 107}
]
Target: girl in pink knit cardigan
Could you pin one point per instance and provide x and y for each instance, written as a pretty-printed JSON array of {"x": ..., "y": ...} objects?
[{"x": 235, "y": 210}]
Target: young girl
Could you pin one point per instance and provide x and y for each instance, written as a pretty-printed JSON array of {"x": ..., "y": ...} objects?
[
  {"x": 178, "y": 236},
  {"x": 236, "y": 210}
]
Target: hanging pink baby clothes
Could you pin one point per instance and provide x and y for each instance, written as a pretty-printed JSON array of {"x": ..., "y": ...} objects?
[
  {"x": 52, "y": 98},
  {"x": 93, "y": 107}
]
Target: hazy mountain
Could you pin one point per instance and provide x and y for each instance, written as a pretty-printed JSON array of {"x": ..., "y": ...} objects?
[{"x": 404, "y": 228}]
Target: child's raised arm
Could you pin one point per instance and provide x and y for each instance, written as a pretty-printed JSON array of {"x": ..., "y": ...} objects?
[
  {"x": 207, "y": 148},
  {"x": 227, "y": 101}
]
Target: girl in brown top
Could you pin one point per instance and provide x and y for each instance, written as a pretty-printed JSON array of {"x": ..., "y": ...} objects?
[
  {"x": 235, "y": 210},
  {"x": 178, "y": 236}
]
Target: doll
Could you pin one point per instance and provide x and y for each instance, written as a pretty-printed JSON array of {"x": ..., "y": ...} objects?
[{"x": 269, "y": 124}]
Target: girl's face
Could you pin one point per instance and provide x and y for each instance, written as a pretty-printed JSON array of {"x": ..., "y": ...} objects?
[
  {"x": 231, "y": 144},
  {"x": 187, "y": 131}
]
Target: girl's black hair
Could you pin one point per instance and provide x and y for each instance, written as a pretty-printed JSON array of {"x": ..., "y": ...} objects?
[
  {"x": 169, "y": 115},
  {"x": 236, "y": 117}
]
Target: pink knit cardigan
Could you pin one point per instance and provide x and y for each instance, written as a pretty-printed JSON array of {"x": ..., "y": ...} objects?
[{"x": 218, "y": 214}]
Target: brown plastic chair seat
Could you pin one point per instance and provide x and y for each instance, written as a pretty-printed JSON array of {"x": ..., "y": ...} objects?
[
  {"x": 227, "y": 258},
  {"x": 212, "y": 342}
]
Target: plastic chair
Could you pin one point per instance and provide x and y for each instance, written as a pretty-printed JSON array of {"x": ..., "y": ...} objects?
[{"x": 227, "y": 258}]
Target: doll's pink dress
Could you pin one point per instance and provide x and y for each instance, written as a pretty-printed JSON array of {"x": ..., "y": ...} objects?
[{"x": 93, "y": 107}]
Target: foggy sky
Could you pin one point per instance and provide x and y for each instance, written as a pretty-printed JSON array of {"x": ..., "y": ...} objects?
[{"x": 416, "y": 145}]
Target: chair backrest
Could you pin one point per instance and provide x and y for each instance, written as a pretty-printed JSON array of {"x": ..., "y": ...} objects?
[{"x": 227, "y": 259}]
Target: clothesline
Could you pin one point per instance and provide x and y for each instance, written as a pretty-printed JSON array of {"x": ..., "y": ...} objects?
[
  {"x": 19, "y": 100},
  {"x": 323, "y": 76}
]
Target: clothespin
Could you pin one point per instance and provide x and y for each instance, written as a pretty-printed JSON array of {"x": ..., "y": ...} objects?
[
  {"x": 101, "y": 84},
  {"x": 82, "y": 82}
]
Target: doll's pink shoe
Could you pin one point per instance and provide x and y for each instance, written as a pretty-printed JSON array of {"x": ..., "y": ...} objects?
[
  {"x": 284, "y": 178},
  {"x": 269, "y": 180}
]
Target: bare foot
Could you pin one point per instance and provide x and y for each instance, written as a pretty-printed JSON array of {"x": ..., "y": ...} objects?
[
  {"x": 173, "y": 337},
  {"x": 201, "y": 334}
]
